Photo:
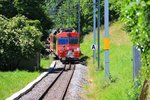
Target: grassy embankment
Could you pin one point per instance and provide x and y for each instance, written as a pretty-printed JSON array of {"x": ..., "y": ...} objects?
[
  {"x": 45, "y": 62},
  {"x": 120, "y": 67},
  {"x": 11, "y": 82}
]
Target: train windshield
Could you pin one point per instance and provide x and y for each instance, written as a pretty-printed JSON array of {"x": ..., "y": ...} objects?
[
  {"x": 73, "y": 40},
  {"x": 63, "y": 40}
]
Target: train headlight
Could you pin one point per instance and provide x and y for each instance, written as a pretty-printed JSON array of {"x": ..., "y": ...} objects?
[
  {"x": 78, "y": 49},
  {"x": 70, "y": 54},
  {"x": 67, "y": 48}
]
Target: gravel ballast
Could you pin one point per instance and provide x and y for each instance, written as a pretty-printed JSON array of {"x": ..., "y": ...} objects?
[
  {"x": 41, "y": 87},
  {"x": 57, "y": 91},
  {"x": 77, "y": 82},
  {"x": 74, "y": 90}
]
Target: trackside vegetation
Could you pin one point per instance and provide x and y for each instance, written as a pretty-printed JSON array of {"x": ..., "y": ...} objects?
[
  {"x": 135, "y": 14},
  {"x": 24, "y": 24},
  {"x": 19, "y": 39},
  {"x": 45, "y": 62},
  {"x": 120, "y": 85},
  {"x": 13, "y": 81},
  {"x": 33, "y": 10}
]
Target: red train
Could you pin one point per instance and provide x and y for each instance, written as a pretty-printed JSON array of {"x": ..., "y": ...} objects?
[{"x": 65, "y": 44}]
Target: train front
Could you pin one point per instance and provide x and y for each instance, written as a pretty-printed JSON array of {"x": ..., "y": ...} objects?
[{"x": 68, "y": 47}]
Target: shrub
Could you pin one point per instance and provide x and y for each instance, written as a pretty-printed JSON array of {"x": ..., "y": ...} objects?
[
  {"x": 19, "y": 39},
  {"x": 135, "y": 14}
]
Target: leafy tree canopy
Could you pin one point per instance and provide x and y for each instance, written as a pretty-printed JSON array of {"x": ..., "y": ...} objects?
[
  {"x": 136, "y": 17},
  {"x": 19, "y": 39},
  {"x": 32, "y": 9}
]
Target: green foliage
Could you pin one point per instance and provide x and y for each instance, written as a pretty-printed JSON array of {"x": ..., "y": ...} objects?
[
  {"x": 61, "y": 14},
  {"x": 19, "y": 39},
  {"x": 7, "y": 8},
  {"x": 45, "y": 62},
  {"x": 120, "y": 67},
  {"x": 135, "y": 15},
  {"x": 32, "y": 9}
]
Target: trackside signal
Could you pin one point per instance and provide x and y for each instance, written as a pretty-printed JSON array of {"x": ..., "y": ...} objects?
[{"x": 93, "y": 47}]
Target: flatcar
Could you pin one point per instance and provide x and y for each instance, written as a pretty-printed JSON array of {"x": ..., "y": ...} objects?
[{"x": 65, "y": 44}]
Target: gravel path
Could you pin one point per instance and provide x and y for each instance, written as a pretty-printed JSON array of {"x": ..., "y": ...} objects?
[{"x": 77, "y": 82}]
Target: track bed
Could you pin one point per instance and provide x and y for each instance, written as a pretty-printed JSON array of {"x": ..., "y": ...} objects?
[{"x": 54, "y": 86}]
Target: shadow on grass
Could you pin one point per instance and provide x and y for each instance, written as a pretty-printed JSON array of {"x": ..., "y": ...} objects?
[
  {"x": 41, "y": 69},
  {"x": 14, "y": 69},
  {"x": 83, "y": 60},
  {"x": 28, "y": 69}
]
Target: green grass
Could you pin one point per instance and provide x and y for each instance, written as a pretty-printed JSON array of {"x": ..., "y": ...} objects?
[
  {"x": 120, "y": 67},
  {"x": 11, "y": 82},
  {"x": 45, "y": 62}
]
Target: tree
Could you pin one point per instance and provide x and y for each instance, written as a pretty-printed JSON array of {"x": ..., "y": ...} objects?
[
  {"x": 135, "y": 15},
  {"x": 32, "y": 9},
  {"x": 7, "y": 8},
  {"x": 19, "y": 39},
  {"x": 61, "y": 14}
]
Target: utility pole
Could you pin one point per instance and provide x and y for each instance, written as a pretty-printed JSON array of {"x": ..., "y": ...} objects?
[
  {"x": 98, "y": 24},
  {"x": 94, "y": 28},
  {"x": 79, "y": 16},
  {"x": 106, "y": 39}
]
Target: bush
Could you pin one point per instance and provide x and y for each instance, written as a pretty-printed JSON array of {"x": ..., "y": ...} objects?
[
  {"x": 19, "y": 39},
  {"x": 135, "y": 14}
]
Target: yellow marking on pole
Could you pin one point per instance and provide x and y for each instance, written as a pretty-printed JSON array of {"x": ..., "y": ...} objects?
[{"x": 106, "y": 43}]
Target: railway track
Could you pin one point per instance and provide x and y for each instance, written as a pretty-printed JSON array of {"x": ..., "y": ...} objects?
[{"x": 56, "y": 89}]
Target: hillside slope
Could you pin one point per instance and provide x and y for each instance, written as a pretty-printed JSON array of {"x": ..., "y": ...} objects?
[{"x": 119, "y": 88}]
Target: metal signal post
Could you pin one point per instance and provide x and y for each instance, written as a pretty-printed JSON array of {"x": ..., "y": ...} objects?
[
  {"x": 94, "y": 28},
  {"x": 98, "y": 24},
  {"x": 106, "y": 38}
]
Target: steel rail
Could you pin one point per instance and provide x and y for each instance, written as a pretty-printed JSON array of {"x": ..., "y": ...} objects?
[
  {"x": 69, "y": 82},
  {"x": 41, "y": 98},
  {"x": 65, "y": 71},
  {"x": 31, "y": 85}
]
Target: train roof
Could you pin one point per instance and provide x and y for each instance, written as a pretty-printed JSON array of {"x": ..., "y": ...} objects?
[
  {"x": 66, "y": 34},
  {"x": 63, "y": 30},
  {"x": 67, "y": 30}
]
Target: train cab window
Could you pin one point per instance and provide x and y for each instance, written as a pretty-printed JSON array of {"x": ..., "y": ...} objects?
[
  {"x": 73, "y": 40},
  {"x": 63, "y": 40}
]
